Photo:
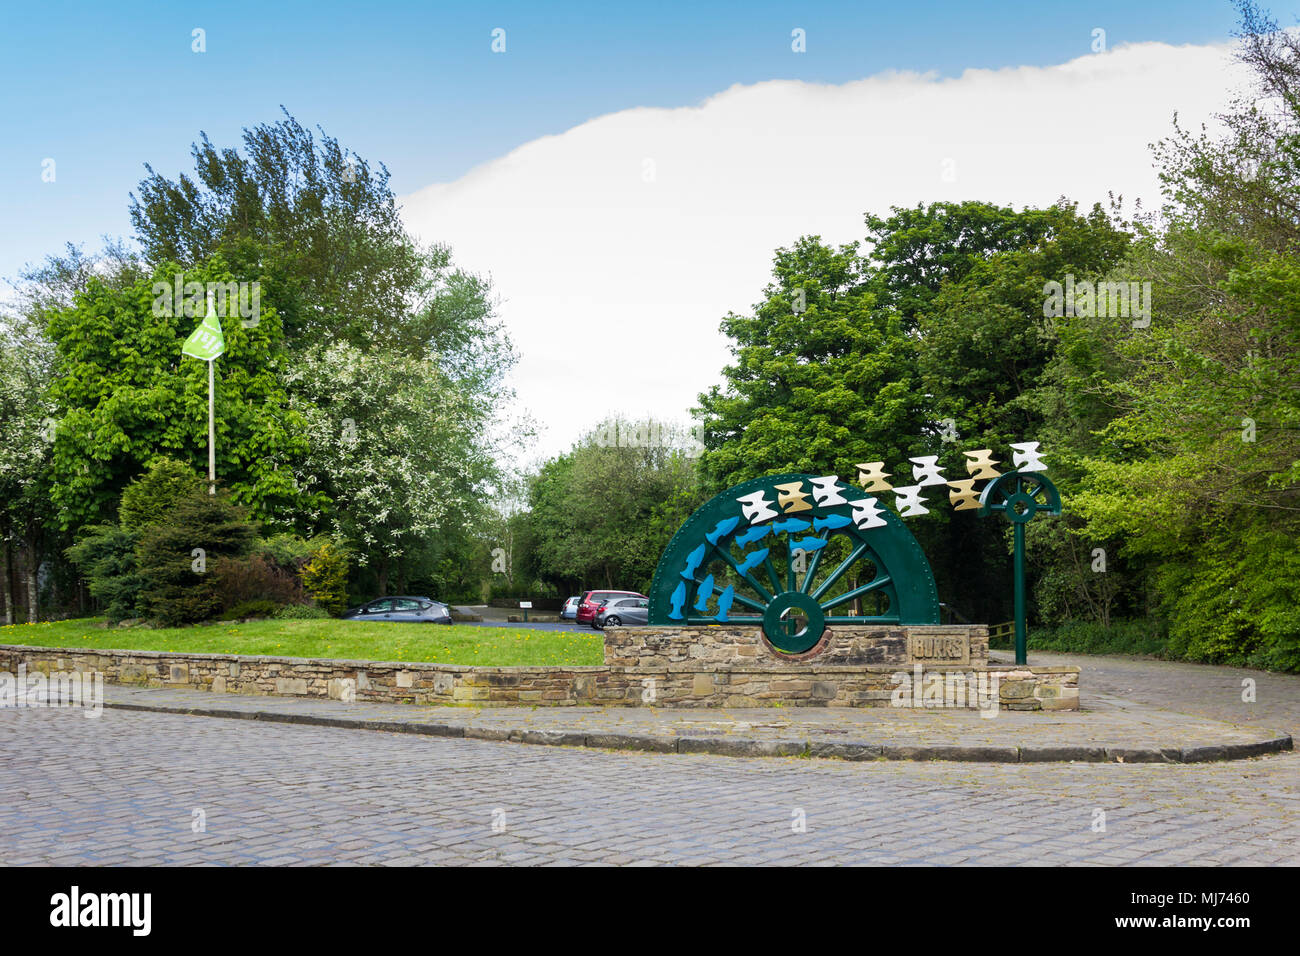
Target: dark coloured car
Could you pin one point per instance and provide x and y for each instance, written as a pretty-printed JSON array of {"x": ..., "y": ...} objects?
[
  {"x": 412, "y": 610},
  {"x": 592, "y": 600},
  {"x": 634, "y": 610}
]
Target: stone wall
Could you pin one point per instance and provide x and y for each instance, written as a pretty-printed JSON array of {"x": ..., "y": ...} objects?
[
  {"x": 663, "y": 646},
  {"x": 689, "y": 684}
]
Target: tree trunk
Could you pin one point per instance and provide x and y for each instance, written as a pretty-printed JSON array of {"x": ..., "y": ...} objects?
[
  {"x": 33, "y": 612},
  {"x": 401, "y": 576},
  {"x": 381, "y": 573},
  {"x": 8, "y": 584}
]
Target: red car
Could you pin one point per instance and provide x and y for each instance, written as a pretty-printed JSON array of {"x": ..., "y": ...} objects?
[{"x": 592, "y": 600}]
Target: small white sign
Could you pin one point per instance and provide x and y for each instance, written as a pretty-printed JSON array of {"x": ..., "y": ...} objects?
[{"x": 527, "y": 605}]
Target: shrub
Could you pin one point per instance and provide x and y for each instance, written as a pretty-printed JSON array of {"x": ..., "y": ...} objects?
[
  {"x": 250, "y": 609},
  {"x": 300, "y": 612},
  {"x": 287, "y": 550},
  {"x": 177, "y": 586},
  {"x": 254, "y": 578},
  {"x": 326, "y": 577},
  {"x": 105, "y": 556},
  {"x": 164, "y": 485}
]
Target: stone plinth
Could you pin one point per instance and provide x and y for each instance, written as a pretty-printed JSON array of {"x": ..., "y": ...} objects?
[{"x": 854, "y": 645}]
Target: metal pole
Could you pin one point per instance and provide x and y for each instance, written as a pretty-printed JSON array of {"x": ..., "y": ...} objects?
[
  {"x": 212, "y": 430},
  {"x": 1020, "y": 593}
]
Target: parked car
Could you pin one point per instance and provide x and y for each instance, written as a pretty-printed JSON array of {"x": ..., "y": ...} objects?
[
  {"x": 570, "y": 610},
  {"x": 622, "y": 611},
  {"x": 401, "y": 608},
  {"x": 592, "y": 600}
]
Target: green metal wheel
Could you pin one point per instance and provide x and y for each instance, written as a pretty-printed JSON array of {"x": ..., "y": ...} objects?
[{"x": 794, "y": 555}]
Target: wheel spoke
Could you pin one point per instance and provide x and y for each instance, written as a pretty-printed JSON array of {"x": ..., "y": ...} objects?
[
  {"x": 812, "y": 569},
  {"x": 839, "y": 572},
  {"x": 875, "y": 585},
  {"x": 758, "y": 588}
]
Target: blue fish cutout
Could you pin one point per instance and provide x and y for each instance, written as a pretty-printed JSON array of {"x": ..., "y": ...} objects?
[
  {"x": 832, "y": 522},
  {"x": 808, "y": 544},
  {"x": 678, "y": 599},
  {"x": 790, "y": 525},
  {"x": 752, "y": 560},
  {"x": 692, "y": 562},
  {"x": 703, "y": 594},
  {"x": 724, "y": 602},
  {"x": 752, "y": 535},
  {"x": 724, "y": 527}
]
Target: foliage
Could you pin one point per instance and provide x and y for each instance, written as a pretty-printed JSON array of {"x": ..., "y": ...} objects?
[
  {"x": 821, "y": 378},
  {"x": 395, "y": 447},
  {"x": 325, "y": 577},
  {"x": 597, "y": 513},
  {"x": 125, "y": 395},
  {"x": 106, "y": 557},
  {"x": 178, "y": 586},
  {"x": 253, "y": 578},
  {"x": 164, "y": 484}
]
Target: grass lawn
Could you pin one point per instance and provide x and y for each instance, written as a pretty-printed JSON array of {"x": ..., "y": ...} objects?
[{"x": 350, "y": 640}]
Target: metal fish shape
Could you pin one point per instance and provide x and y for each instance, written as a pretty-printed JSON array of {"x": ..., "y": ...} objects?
[
  {"x": 724, "y": 527},
  {"x": 703, "y": 594}
]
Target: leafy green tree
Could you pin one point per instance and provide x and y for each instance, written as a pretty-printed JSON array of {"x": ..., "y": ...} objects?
[
  {"x": 124, "y": 395},
  {"x": 821, "y": 378},
  {"x": 601, "y": 515},
  {"x": 398, "y": 451}
]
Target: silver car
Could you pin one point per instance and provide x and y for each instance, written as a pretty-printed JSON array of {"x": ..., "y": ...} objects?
[
  {"x": 632, "y": 610},
  {"x": 570, "y": 610},
  {"x": 401, "y": 608}
]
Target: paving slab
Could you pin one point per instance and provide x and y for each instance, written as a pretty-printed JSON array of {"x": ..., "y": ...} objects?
[{"x": 1107, "y": 728}]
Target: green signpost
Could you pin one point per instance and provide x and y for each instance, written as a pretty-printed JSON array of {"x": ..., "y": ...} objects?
[{"x": 207, "y": 342}]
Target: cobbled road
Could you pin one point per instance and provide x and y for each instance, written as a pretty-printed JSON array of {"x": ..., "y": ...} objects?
[{"x": 147, "y": 788}]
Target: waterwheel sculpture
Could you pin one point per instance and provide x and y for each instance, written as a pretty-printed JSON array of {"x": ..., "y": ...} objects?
[{"x": 793, "y": 554}]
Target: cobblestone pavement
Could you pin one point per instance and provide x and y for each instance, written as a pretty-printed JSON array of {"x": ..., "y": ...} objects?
[
  {"x": 125, "y": 788},
  {"x": 1109, "y": 727}
]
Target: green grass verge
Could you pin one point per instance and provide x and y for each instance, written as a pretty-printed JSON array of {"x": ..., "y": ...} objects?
[
  {"x": 1122, "y": 637},
  {"x": 350, "y": 640}
]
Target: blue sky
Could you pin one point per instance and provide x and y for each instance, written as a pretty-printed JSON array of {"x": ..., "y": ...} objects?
[{"x": 102, "y": 89}]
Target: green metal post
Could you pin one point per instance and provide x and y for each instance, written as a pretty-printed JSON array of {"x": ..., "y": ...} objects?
[{"x": 1020, "y": 593}]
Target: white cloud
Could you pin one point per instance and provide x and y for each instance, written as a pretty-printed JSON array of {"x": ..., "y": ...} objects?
[{"x": 614, "y": 285}]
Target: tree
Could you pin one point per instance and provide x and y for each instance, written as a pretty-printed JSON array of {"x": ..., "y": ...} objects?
[
  {"x": 173, "y": 557},
  {"x": 822, "y": 378},
  {"x": 601, "y": 515},
  {"x": 147, "y": 500},
  {"x": 25, "y": 457},
  {"x": 124, "y": 395},
  {"x": 400, "y": 454}
]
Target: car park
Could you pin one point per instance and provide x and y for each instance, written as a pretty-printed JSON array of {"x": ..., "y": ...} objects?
[
  {"x": 570, "y": 610},
  {"x": 414, "y": 610},
  {"x": 591, "y": 601},
  {"x": 620, "y": 611}
]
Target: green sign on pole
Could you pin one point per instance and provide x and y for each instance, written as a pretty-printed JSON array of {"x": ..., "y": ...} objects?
[{"x": 207, "y": 342}]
